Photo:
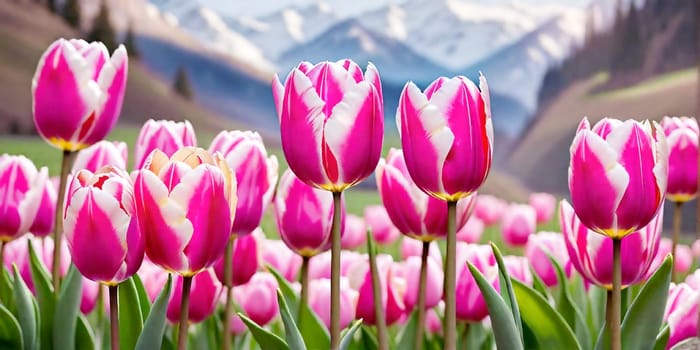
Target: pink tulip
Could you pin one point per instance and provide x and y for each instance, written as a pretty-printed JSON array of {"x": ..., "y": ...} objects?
[
  {"x": 245, "y": 260},
  {"x": 22, "y": 190},
  {"x": 433, "y": 323},
  {"x": 332, "y": 122},
  {"x": 354, "y": 233},
  {"x": 489, "y": 209},
  {"x": 153, "y": 278},
  {"x": 256, "y": 175},
  {"x": 77, "y": 92},
  {"x": 519, "y": 268},
  {"x": 544, "y": 205},
  {"x": 693, "y": 280},
  {"x": 46, "y": 215},
  {"x": 258, "y": 298},
  {"x": 102, "y": 234},
  {"x": 518, "y": 223},
  {"x": 279, "y": 256},
  {"x": 471, "y": 305},
  {"x": 681, "y": 313},
  {"x": 695, "y": 248},
  {"x": 414, "y": 213},
  {"x": 447, "y": 135},
  {"x": 433, "y": 286},
  {"x": 412, "y": 247},
  {"x": 304, "y": 215},
  {"x": 320, "y": 265},
  {"x": 101, "y": 154},
  {"x": 682, "y": 136},
  {"x": 538, "y": 250},
  {"x": 617, "y": 175},
  {"x": 383, "y": 230},
  {"x": 471, "y": 232},
  {"x": 237, "y": 327},
  {"x": 203, "y": 297},
  {"x": 681, "y": 262},
  {"x": 320, "y": 301},
  {"x": 591, "y": 253},
  {"x": 392, "y": 290},
  {"x": 165, "y": 135},
  {"x": 184, "y": 207}
]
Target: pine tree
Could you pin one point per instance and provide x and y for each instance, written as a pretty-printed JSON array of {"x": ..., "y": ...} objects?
[
  {"x": 182, "y": 84},
  {"x": 102, "y": 29},
  {"x": 628, "y": 54},
  {"x": 71, "y": 13},
  {"x": 130, "y": 42}
]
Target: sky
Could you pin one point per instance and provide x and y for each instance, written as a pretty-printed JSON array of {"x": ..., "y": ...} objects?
[{"x": 257, "y": 8}]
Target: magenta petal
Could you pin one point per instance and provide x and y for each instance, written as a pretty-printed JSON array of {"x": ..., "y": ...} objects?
[{"x": 113, "y": 80}]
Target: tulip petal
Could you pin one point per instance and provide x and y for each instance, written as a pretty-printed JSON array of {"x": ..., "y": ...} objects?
[{"x": 112, "y": 80}]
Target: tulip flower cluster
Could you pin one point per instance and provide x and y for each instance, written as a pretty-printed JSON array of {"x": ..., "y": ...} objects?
[{"x": 179, "y": 240}]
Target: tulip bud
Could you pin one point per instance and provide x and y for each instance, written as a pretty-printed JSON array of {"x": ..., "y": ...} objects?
[
  {"x": 383, "y": 230},
  {"x": 544, "y": 205},
  {"x": 489, "y": 209},
  {"x": 164, "y": 135},
  {"x": 471, "y": 305},
  {"x": 77, "y": 92},
  {"x": 412, "y": 247},
  {"x": 258, "y": 298},
  {"x": 471, "y": 232},
  {"x": 203, "y": 297},
  {"x": 354, "y": 233},
  {"x": 518, "y": 223},
  {"x": 433, "y": 286},
  {"x": 320, "y": 301},
  {"x": 681, "y": 313},
  {"x": 320, "y": 265},
  {"x": 22, "y": 189},
  {"x": 392, "y": 290},
  {"x": 519, "y": 268},
  {"x": 682, "y": 137},
  {"x": 101, "y": 154},
  {"x": 279, "y": 256},
  {"x": 538, "y": 251},
  {"x": 46, "y": 215},
  {"x": 245, "y": 260}
]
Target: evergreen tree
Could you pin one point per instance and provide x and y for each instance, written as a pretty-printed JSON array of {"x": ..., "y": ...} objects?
[
  {"x": 71, "y": 13},
  {"x": 52, "y": 5},
  {"x": 628, "y": 54},
  {"x": 182, "y": 84},
  {"x": 130, "y": 42},
  {"x": 102, "y": 29}
]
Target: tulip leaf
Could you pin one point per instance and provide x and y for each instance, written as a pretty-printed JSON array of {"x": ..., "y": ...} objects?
[
  {"x": 504, "y": 329},
  {"x": 596, "y": 310},
  {"x": 25, "y": 311},
  {"x": 368, "y": 339},
  {"x": 538, "y": 285},
  {"x": 347, "y": 337},
  {"x": 7, "y": 295},
  {"x": 84, "y": 338},
  {"x": 648, "y": 306},
  {"x": 152, "y": 334},
  {"x": 265, "y": 338},
  {"x": 10, "y": 331},
  {"x": 474, "y": 335},
  {"x": 407, "y": 336},
  {"x": 67, "y": 310},
  {"x": 569, "y": 310},
  {"x": 130, "y": 319},
  {"x": 503, "y": 272},
  {"x": 549, "y": 328},
  {"x": 291, "y": 331},
  {"x": 45, "y": 297},
  {"x": 662, "y": 338},
  {"x": 144, "y": 302}
]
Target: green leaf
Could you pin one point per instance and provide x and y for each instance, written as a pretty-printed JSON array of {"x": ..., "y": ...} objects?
[
  {"x": 503, "y": 324},
  {"x": 10, "y": 331},
  {"x": 265, "y": 338},
  {"x": 347, "y": 338},
  {"x": 130, "y": 319},
  {"x": 67, "y": 310},
  {"x": 476, "y": 335},
  {"x": 503, "y": 272},
  {"x": 368, "y": 340},
  {"x": 291, "y": 332},
  {"x": 596, "y": 310},
  {"x": 25, "y": 311},
  {"x": 568, "y": 309},
  {"x": 539, "y": 285},
  {"x": 144, "y": 301},
  {"x": 547, "y": 325},
  {"x": 662, "y": 338},
  {"x": 7, "y": 295},
  {"x": 45, "y": 297},
  {"x": 647, "y": 306},
  {"x": 407, "y": 336},
  {"x": 84, "y": 338},
  {"x": 152, "y": 334}
]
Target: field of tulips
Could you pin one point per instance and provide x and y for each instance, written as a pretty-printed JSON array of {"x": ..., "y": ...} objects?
[{"x": 170, "y": 254}]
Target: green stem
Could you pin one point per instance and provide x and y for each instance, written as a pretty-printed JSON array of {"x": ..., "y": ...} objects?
[
  {"x": 677, "y": 218},
  {"x": 450, "y": 278},
  {"x": 228, "y": 283},
  {"x": 66, "y": 164},
  {"x": 379, "y": 317},
  {"x": 615, "y": 301},
  {"x": 465, "y": 336},
  {"x": 304, "y": 280},
  {"x": 421, "y": 296},
  {"x": 184, "y": 311},
  {"x": 114, "y": 316},
  {"x": 335, "y": 272},
  {"x": 2, "y": 253}
]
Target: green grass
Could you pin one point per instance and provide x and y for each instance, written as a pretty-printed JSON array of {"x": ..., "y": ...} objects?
[{"x": 650, "y": 85}]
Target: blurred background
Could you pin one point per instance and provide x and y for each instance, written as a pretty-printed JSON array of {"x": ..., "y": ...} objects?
[{"x": 548, "y": 64}]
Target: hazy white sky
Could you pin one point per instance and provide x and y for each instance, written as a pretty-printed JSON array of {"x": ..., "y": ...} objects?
[{"x": 349, "y": 7}]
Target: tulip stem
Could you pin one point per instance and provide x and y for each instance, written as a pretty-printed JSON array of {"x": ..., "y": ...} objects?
[
  {"x": 335, "y": 272},
  {"x": 114, "y": 316},
  {"x": 418, "y": 345},
  {"x": 677, "y": 218},
  {"x": 614, "y": 303},
  {"x": 66, "y": 164},
  {"x": 184, "y": 311},
  {"x": 228, "y": 282},
  {"x": 450, "y": 274},
  {"x": 2, "y": 252},
  {"x": 379, "y": 317},
  {"x": 304, "y": 280}
]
